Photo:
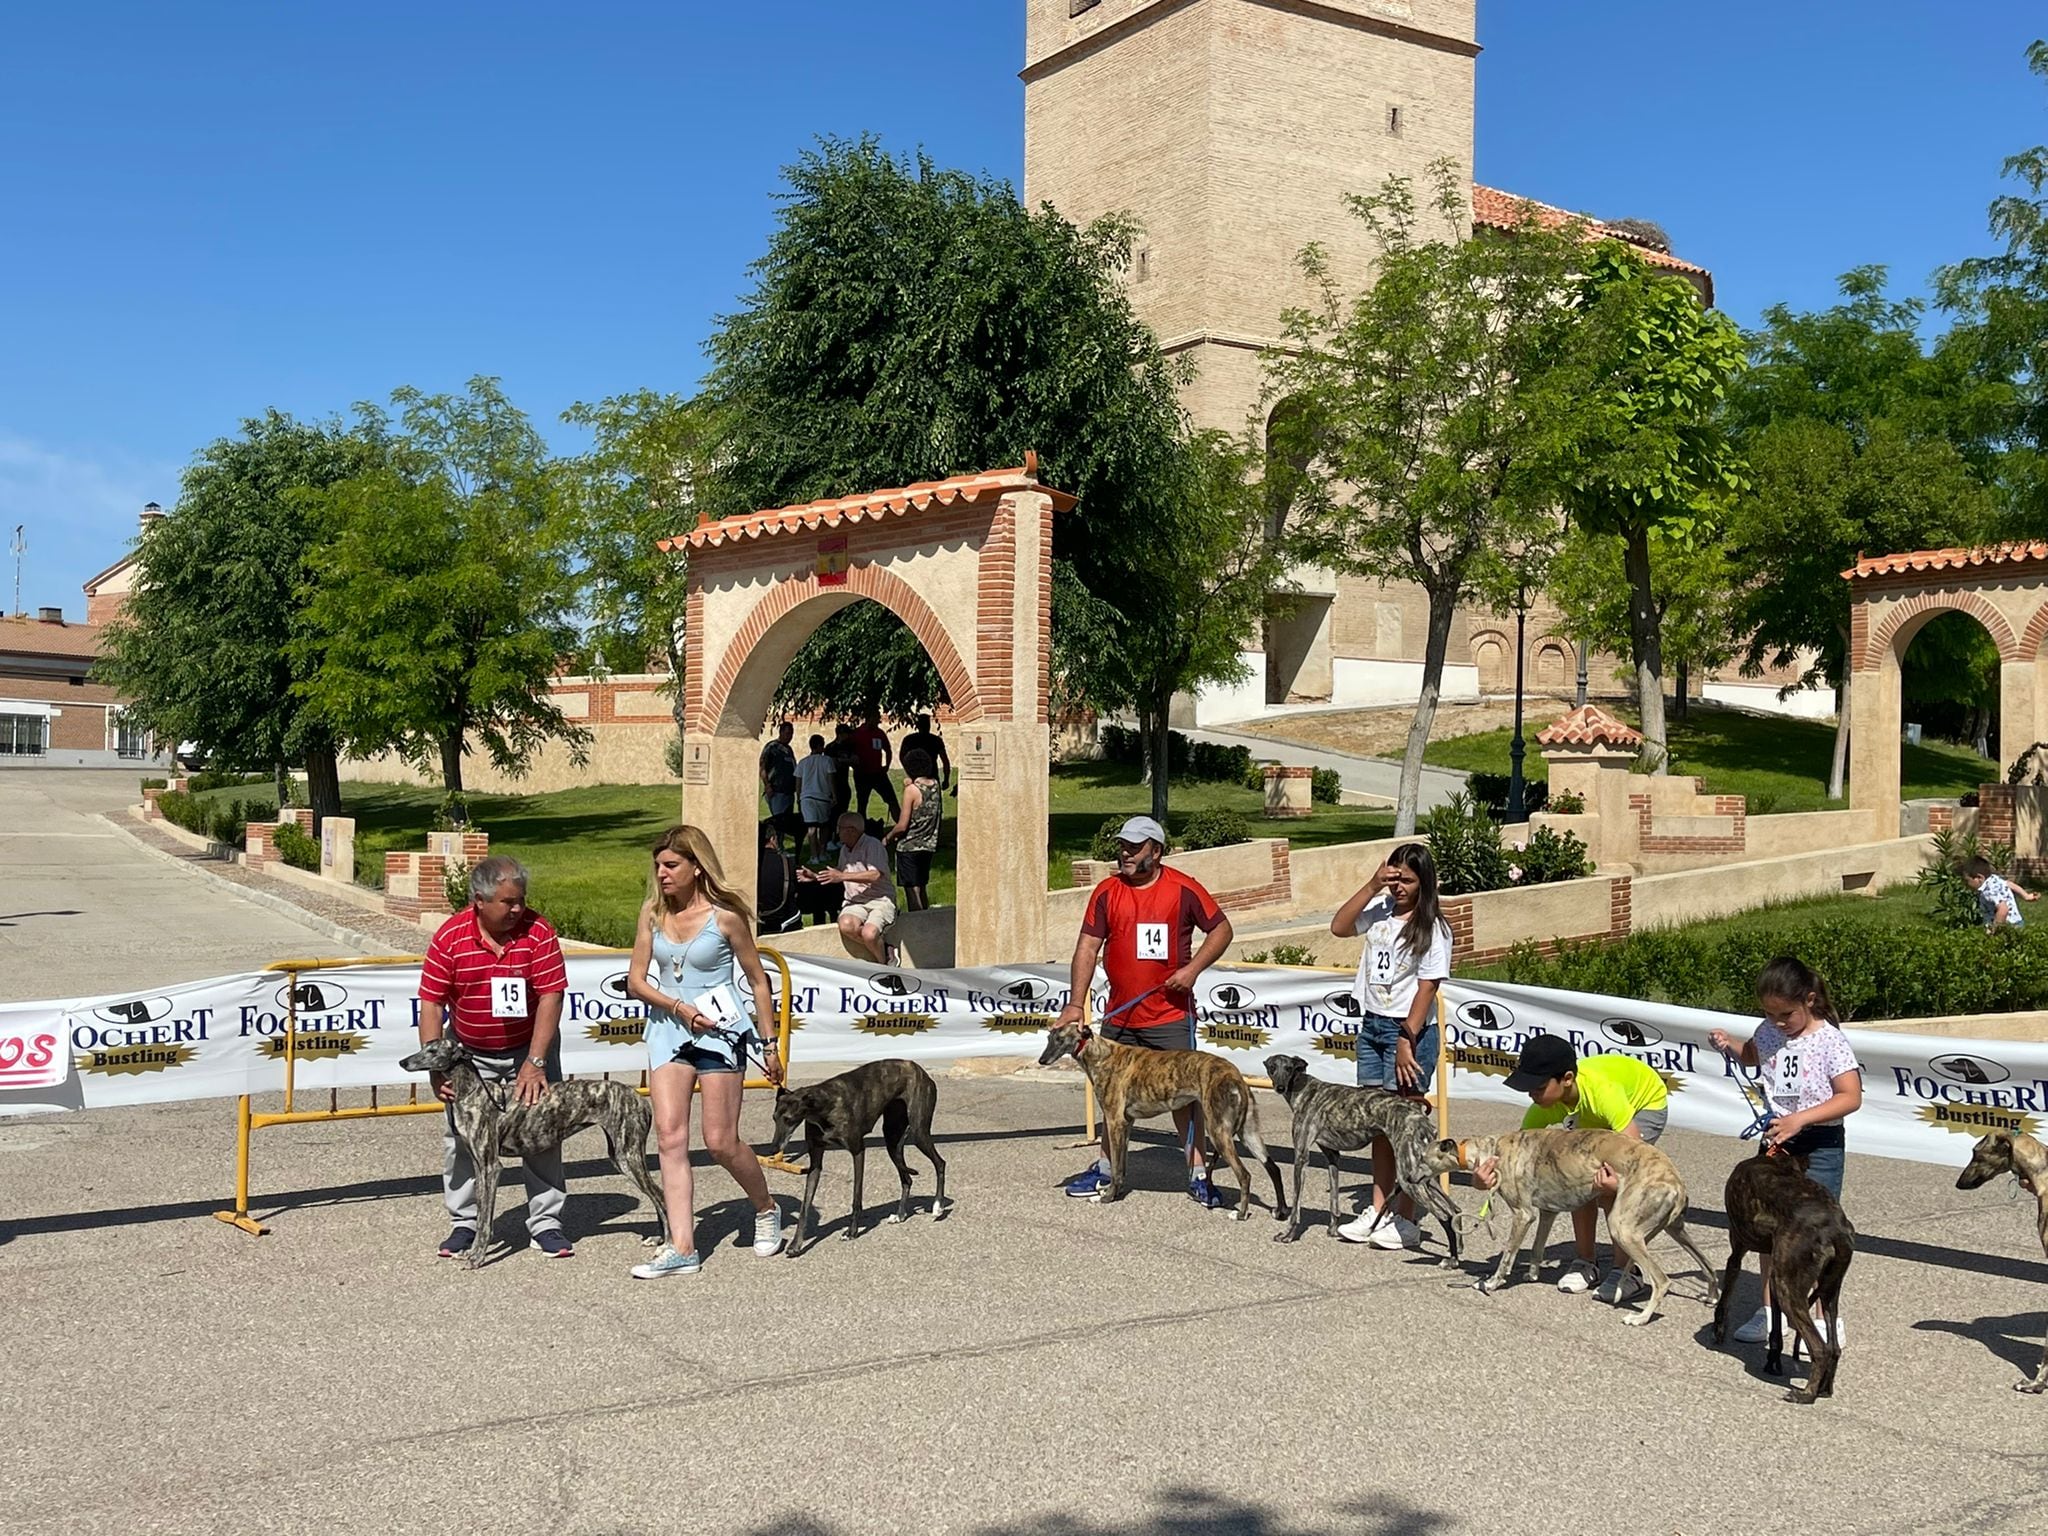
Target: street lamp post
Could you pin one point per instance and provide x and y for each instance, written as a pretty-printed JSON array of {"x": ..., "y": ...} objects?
[{"x": 1516, "y": 749}]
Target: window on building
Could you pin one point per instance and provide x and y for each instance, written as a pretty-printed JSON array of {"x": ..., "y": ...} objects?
[
  {"x": 76, "y": 682},
  {"x": 130, "y": 740},
  {"x": 1076, "y": 7},
  {"x": 1394, "y": 121},
  {"x": 24, "y": 735}
]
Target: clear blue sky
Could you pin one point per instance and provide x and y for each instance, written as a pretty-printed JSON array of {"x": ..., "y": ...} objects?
[{"x": 208, "y": 209}]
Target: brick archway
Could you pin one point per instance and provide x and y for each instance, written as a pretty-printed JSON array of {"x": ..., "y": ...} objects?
[
  {"x": 2003, "y": 587},
  {"x": 966, "y": 563}
]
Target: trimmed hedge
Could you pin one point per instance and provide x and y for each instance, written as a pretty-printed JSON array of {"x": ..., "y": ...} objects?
[
  {"x": 1491, "y": 791},
  {"x": 1199, "y": 761},
  {"x": 1214, "y": 826},
  {"x": 1872, "y": 972},
  {"x": 1325, "y": 786},
  {"x": 298, "y": 849}
]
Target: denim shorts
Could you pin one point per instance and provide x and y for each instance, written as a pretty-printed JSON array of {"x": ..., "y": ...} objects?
[
  {"x": 1822, "y": 1146},
  {"x": 1377, "y": 1037}
]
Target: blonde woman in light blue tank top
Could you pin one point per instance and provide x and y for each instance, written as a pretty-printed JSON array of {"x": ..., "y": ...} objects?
[{"x": 696, "y": 937}]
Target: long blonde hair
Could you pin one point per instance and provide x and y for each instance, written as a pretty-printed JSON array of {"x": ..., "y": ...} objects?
[{"x": 693, "y": 845}]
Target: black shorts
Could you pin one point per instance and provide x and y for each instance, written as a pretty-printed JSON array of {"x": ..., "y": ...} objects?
[
  {"x": 913, "y": 868},
  {"x": 1176, "y": 1035}
]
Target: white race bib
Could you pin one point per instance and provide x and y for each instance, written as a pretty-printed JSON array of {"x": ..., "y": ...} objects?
[
  {"x": 721, "y": 1008},
  {"x": 1152, "y": 941},
  {"x": 508, "y": 997}
]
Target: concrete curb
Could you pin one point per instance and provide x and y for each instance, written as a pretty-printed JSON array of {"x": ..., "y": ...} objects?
[{"x": 277, "y": 904}]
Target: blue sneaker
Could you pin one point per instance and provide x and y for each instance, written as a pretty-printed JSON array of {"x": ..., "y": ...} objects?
[
  {"x": 1200, "y": 1192},
  {"x": 1090, "y": 1184},
  {"x": 553, "y": 1244},
  {"x": 458, "y": 1242},
  {"x": 668, "y": 1262}
]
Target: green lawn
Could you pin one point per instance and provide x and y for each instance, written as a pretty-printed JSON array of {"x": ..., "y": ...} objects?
[
  {"x": 588, "y": 848},
  {"x": 1780, "y": 764}
]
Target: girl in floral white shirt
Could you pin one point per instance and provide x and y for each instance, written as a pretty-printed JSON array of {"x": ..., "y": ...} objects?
[{"x": 1811, "y": 1078}]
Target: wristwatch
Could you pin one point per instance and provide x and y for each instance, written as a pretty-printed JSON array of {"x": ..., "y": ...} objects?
[{"x": 537, "y": 1061}]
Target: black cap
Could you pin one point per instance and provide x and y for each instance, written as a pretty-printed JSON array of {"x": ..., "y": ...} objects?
[{"x": 1544, "y": 1057}]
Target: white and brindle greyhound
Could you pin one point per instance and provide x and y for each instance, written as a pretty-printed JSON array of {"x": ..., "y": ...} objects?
[
  {"x": 492, "y": 1122},
  {"x": 2027, "y": 1161}
]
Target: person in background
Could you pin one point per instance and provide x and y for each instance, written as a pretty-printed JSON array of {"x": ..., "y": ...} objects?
[
  {"x": 842, "y": 753},
  {"x": 775, "y": 884},
  {"x": 815, "y": 777},
  {"x": 1405, "y": 958},
  {"x": 778, "y": 781},
  {"x": 916, "y": 833},
  {"x": 871, "y": 758},
  {"x": 1998, "y": 899},
  {"x": 862, "y": 873},
  {"x": 494, "y": 974},
  {"x": 1812, "y": 1080},
  {"x": 924, "y": 739}
]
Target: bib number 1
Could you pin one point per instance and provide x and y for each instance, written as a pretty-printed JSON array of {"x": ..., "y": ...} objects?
[{"x": 1152, "y": 941}]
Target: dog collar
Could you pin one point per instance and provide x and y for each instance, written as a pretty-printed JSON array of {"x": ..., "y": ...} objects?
[{"x": 1081, "y": 1038}]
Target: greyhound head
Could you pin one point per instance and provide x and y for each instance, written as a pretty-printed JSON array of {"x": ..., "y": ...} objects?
[
  {"x": 1988, "y": 1159},
  {"x": 1064, "y": 1040},
  {"x": 1287, "y": 1074},
  {"x": 441, "y": 1056},
  {"x": 1466, "y": 1154},
  {"x": 792, "y": 1108}
]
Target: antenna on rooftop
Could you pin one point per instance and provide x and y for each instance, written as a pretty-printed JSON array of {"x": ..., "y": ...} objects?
[{"x": 20, "y": 545}]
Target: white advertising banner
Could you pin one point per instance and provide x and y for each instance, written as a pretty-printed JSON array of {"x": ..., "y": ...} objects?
[{"x": 1925, "y": 1097}]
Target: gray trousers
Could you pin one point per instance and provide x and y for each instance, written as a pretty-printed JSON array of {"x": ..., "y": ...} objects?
[{"x": 546, "y": 1184}]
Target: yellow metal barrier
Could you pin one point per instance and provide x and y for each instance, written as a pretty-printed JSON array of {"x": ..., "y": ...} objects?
[{"x": 249, "y": 1120}]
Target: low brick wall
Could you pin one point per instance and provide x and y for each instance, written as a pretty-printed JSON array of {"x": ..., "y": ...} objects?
[
  {"x": 416, "y": 884},
  {"x": 259, "y": 838}
]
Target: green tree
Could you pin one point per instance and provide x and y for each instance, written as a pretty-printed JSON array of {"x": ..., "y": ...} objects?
[
  {"x": 907, "y": 323},
  {"x": 1653, "y": 457},
  {"x": 1695, "y": 592},
  {"x": 1950, "y": 671},
  {"x": 649, "y": 464},
  {"x": 1430, "y": 412},
  {"x": 2002, "y": 303},
  {"x": 440, "y": 602},
  {"x": 206, "y": 647},
  {"x": 1859, "y": 440}
]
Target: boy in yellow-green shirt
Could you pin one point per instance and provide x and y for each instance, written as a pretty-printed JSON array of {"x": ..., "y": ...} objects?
[{"x": 1609, "y": 1092}]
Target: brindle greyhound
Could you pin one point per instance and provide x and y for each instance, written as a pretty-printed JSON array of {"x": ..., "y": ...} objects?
[
  {"x": 2027, "y": 1161},
  {"x": 492, "y": 1123},
  {"x": 1333, "y": 1117},
  {"x": 1774, "y": 1208},
  {"x": 1134, "y": 1084},
  {"x": 840, "y": 1111}
]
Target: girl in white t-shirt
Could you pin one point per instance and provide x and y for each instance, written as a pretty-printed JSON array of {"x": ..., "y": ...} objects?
[
  {"x": 1406, "y": 957},
  {"x": 1811, "y": 1077}
]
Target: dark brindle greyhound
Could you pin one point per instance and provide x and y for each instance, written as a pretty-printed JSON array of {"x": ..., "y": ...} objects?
[
  {"x": 492, "y": 1122},
  {"x": 1774, "y": 1208},
  {"x": 1332, "y": 1118},
  {"x": 840, "y": 1112},
  {"x": 1133, "y": 1084},
  {"x": 2027, "y": 1161}
]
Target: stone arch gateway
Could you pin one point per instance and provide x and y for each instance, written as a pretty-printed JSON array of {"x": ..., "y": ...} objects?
[
  {"x": 1891, "y": 599},
  {"x": 966, "y": 563}
]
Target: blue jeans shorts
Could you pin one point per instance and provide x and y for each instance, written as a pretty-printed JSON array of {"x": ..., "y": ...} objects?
[
  {"x": 1822, "y": 1147},
  {"x": 1377, "y": 1038}
]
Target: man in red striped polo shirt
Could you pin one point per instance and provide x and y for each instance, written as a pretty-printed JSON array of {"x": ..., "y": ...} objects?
[{"x": 494, "y": 973}]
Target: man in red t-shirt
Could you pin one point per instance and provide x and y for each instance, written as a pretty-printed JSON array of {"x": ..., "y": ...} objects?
[
  {"x": 1140, "y": 925},
  {"x": 871, "y": 755},
  {"x": 494, "y": 973}
]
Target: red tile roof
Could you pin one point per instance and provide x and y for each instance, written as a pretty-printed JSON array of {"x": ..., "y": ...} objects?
[
  {"x": 1946, "y": 559},
  {"x": 872, "y": 506},
  {"x": 24, "y": 636},
  {"x": 1503, "y": 210},
  {"x": 1588, "y": 725}
]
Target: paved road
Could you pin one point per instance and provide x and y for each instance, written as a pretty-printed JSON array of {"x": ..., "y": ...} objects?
[
  {"x": 1031, "y": 1365},
  {"x": 84, "y": 911},
  {"x": 1374, "y": 776}
]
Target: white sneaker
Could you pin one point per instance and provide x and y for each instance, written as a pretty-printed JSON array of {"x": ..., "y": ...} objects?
[
  {"x": 1757, "y": 1329},
  {"x": 768, "y": 1230},
  {"x": 1620, "y": 1287},
  {"x": 668, "y": 1262},
  {"x": 1360, "y": 1228},
  {"x": 1578, "y": 1278},
  {"x": 1396, "y": 1232}
]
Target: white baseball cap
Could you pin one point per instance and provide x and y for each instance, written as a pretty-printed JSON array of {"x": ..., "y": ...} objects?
[{"x": 1142, "y": 829}]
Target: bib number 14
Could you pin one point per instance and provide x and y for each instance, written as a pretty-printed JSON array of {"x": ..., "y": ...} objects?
[{"x": 1152, "y": 941}]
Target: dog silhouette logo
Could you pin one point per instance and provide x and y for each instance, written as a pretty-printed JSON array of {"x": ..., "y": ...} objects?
[
  {"x": 894, "y": 985},
  {"x": 614, "y": 985},
  {"x": 1970, "y": 1071},
  {"x": 1029, "y": 990},
  {"x": 1231, "y": 998},
  {"x": 1630, "y": 1032},
  {"x": 311, "y": 997},
  {"x": 1487, "y": 1018},
  {"x": 141, "y": 1010},
  {"x": 1345, "y": 1003}
]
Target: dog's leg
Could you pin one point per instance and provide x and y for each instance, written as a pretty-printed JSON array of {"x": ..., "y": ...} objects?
[
  {"x": 1727, "y": 1297},
  {"x": 921, "y": 1134},
  {"x": 628, "y": 1142},
  {"x": 1628, "y": 1239},
  {"x": 1829, "y": 1294},
  {"x": 1793, "y": 1304},
  {"x": 1255, "y": 1143},
  {"x": 477, "y": 1128},
  {"x": 1336, "y": 1190},
  {"x": 1684, "y": 1240},
  {"x": 814, "y": 1156},
  {"x": 860, "y": 1168},
  {"x": 1228, "y": 1119},
  {"x": 1303, "y": 1151},
  {"x": 1116, "y": 1134},
  {"x": 895, "y": 1121},
  {"x": 1516, "y": 1233},
  {"x": 1544, "y": 1221}
]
